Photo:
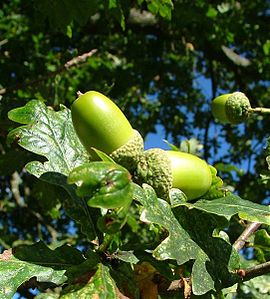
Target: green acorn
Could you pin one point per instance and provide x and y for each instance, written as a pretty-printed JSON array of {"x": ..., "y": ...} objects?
[
  {"x": 164, "y": 170},
  {"x": 100, "y": 124},
  {"x": 190, "y": 174},
  {"x": 231, "y": 108}
]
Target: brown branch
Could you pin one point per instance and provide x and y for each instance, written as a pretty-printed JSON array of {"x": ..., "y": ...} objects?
[
  {"x": 249, "y": 230},
  {"x": 166, "y": 286},
  {"x": 79, "y": 59},
  {"x": 71, "y": 63},
  {"x": 258, "y": 270}
]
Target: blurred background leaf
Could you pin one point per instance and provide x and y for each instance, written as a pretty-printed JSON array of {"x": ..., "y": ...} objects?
[{"x": 162, "y": 62}]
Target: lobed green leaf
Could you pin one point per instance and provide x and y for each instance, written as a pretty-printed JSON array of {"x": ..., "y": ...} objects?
[
  {"x": 213, "y": 262},
  {"x": 231, "y": 205},
  {"x": 101, "y": 285},
  {"x": 51, "y": 134},
  {"x": 25, "y": 262}
]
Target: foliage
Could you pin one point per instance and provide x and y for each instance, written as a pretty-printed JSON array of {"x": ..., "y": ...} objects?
[{"x": 154, "y": 59}]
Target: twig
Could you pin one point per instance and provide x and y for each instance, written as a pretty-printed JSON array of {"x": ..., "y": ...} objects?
[
  {"x": 73, "y": 62},
  {"x": 250, "y": 229},
  {"x": 105, "y": 243},
  {"x": 3, "y": 42},
  {"x": 258, "y": 270},
  {"x": 51, "y": 230},
  {"x": 187, "y": 288},
  {"x": 169, "y": 287},
  {"x": 79, "y": 59},
  {"x": 15, "y": 183}
]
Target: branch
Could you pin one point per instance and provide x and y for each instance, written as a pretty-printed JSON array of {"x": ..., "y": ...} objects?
[
  {"x": 171, "y": 287},
  {"x": 3, "y": 42},
  {"x": 250, "y": 229},
  {"x": 73, "y": 62},
  {"x": 258, "y": 270},
  {"x": 78, "y": 60},
  {"x": 51, "y": 230},
  {"x": 15, "y": 189}
]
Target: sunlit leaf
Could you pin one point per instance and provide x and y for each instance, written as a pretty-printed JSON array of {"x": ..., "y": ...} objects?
[
  {"x": 51, "y": 135},
  {"x": 36, "y": 261},
  {"x": 101, "y": 285},
  {"x": 233, "y": 205},
  {"x": 181, "y": 247}
]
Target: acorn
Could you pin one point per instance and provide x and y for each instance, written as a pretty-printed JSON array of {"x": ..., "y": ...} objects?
[
  {"x": 231, "y": 108},
  {"x": 100, "y": 124},
  {"x": 190, "y": 173},
  {"x": 164, "y": 170}
]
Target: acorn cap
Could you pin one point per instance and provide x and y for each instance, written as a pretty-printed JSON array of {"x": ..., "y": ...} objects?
[
  {"x": 237, "y": 107},
  {"x": 154, "y": 168},
  {"x": 128, "y": 155}
]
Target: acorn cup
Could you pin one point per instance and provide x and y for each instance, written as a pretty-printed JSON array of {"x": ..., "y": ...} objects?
[
  {"x": 155, "y": 170},
  {"x": 100, "y": 124}
]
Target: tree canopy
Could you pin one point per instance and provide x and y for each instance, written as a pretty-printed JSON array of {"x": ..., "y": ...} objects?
[{"x": 162, "y": 62}]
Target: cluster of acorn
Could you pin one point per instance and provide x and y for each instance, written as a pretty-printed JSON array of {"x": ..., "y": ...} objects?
[{"x": 100, "y": 124}]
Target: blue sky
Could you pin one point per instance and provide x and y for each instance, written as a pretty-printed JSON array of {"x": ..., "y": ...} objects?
[{"x": 156, "y": 139}]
